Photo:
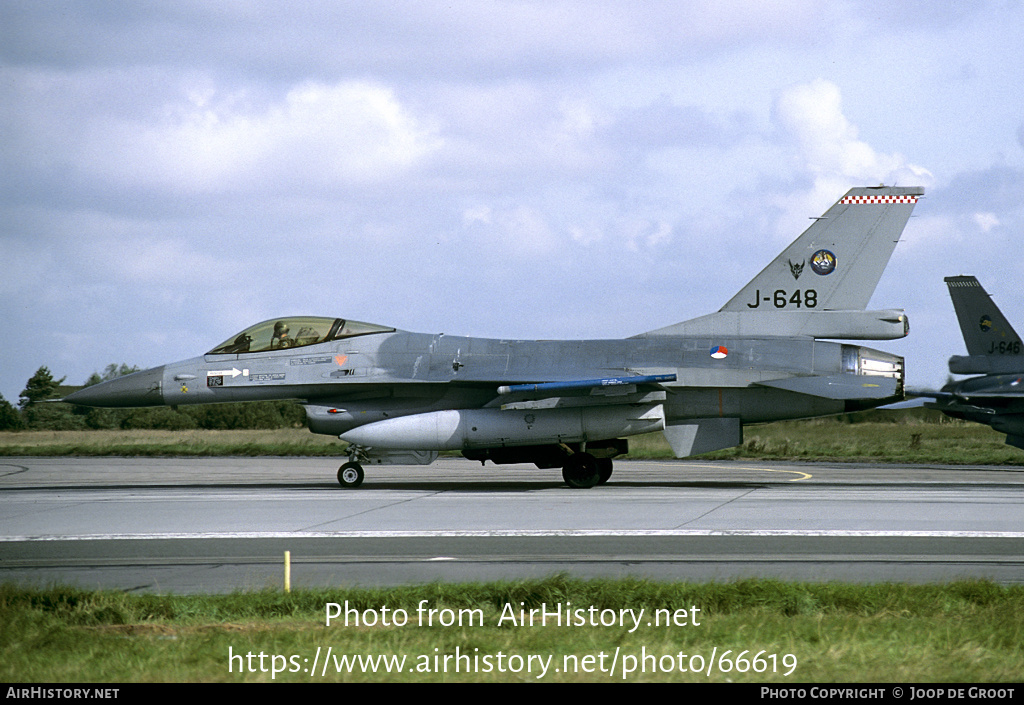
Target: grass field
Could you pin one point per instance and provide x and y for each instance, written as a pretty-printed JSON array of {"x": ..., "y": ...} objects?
[
  {"x": 746, "y": 631},
  {"x": 915, "y": 436},
  {"x": 194, "y": 442}
]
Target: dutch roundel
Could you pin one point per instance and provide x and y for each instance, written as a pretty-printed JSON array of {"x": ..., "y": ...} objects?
[{"x": 719, "y": 351}]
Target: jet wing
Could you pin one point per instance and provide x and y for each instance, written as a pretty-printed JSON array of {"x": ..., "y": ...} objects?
[
  {"x": 605, "y": 382},
  {"x": 635, "y": 389},
  {"x": 995, "y": 387},
  {"x": 990, "y": 394}
]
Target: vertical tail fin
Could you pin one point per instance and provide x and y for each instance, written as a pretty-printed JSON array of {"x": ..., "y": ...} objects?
[
  {"x": 993, "y": 345},
  {"x": 837, "y": 262},
  {"x": 982, "y": 323},
  {"x": 820, "y": 285}
]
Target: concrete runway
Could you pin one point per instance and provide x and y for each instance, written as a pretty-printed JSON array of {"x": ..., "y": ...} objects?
[{"x": 217, "y": 525}]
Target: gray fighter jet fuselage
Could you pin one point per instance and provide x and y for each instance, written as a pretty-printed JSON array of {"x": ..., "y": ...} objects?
[{"x": 401, "y": 397}]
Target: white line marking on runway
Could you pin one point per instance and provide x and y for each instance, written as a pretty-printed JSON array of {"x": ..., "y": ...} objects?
[{"x": 503, "y": 533}]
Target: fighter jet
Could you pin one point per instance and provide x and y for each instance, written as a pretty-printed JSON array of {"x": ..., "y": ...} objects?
[
  {"x": 994, "y": 351},
  {"x": 401, "y": 397}
]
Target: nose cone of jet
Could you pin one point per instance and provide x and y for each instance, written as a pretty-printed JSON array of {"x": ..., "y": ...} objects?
[{"x": 140, "y": 389}]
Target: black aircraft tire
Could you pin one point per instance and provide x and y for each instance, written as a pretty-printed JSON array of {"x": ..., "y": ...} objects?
[
  {"x": 580, "y": 471},
  {"x": 604, "y": 470},
  {"x": 350, "y": 475}
]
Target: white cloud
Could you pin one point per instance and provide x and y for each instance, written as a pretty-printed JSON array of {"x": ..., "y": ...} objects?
[
  {"x": 525, "y": 231},
  {"x": 986, "y": 221},
  {"x": 586, "y": 234},
  {"x": 642, "y": 234},
  {"x": 318, "y": 136},
  {"x": 166, "y": 171},
  {"x": 476, "y": 214},
  {"x": 507, "y": 231},
  {"x": 932, "y": 236},
  {"x": 811, "y": 115}
]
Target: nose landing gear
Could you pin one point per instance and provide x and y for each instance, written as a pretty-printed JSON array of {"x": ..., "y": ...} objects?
[{"x": 350, "y": 475}]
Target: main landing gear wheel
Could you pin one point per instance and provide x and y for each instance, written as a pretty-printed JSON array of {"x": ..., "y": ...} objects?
[
  {"x": 604, "y": 470},
  {"x": 350, "y": 475},
  {"x": 581, "y": 471}
]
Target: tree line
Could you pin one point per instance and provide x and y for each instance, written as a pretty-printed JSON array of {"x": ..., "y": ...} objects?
[{"x": 37, "y": 412}]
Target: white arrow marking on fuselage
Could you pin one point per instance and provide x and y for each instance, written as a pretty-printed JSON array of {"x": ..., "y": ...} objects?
[{"x": 224, "y": 373}]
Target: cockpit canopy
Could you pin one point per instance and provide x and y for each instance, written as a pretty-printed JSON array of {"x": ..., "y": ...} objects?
[{"x": 294, "y": 332}]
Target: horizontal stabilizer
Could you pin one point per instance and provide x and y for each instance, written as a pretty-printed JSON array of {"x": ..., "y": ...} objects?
[
  {"x": 697, "y": 436},
  {"x": 917, "y": 393},
  {"x": 985, "y": 364},
  {"x": 842, "y": 386}
]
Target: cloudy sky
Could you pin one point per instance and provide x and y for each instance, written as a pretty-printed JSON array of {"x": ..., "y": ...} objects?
[{"x": 172, "y": 172}]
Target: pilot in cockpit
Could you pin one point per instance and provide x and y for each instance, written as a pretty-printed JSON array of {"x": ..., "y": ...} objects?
[{"x": 281, "y": 338}]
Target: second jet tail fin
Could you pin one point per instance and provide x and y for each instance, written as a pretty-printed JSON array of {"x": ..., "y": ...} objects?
[{"x": 993, "y": 346}]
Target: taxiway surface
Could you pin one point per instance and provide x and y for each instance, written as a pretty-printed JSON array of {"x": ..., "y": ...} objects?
[{"x": 216, "y": 525}]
